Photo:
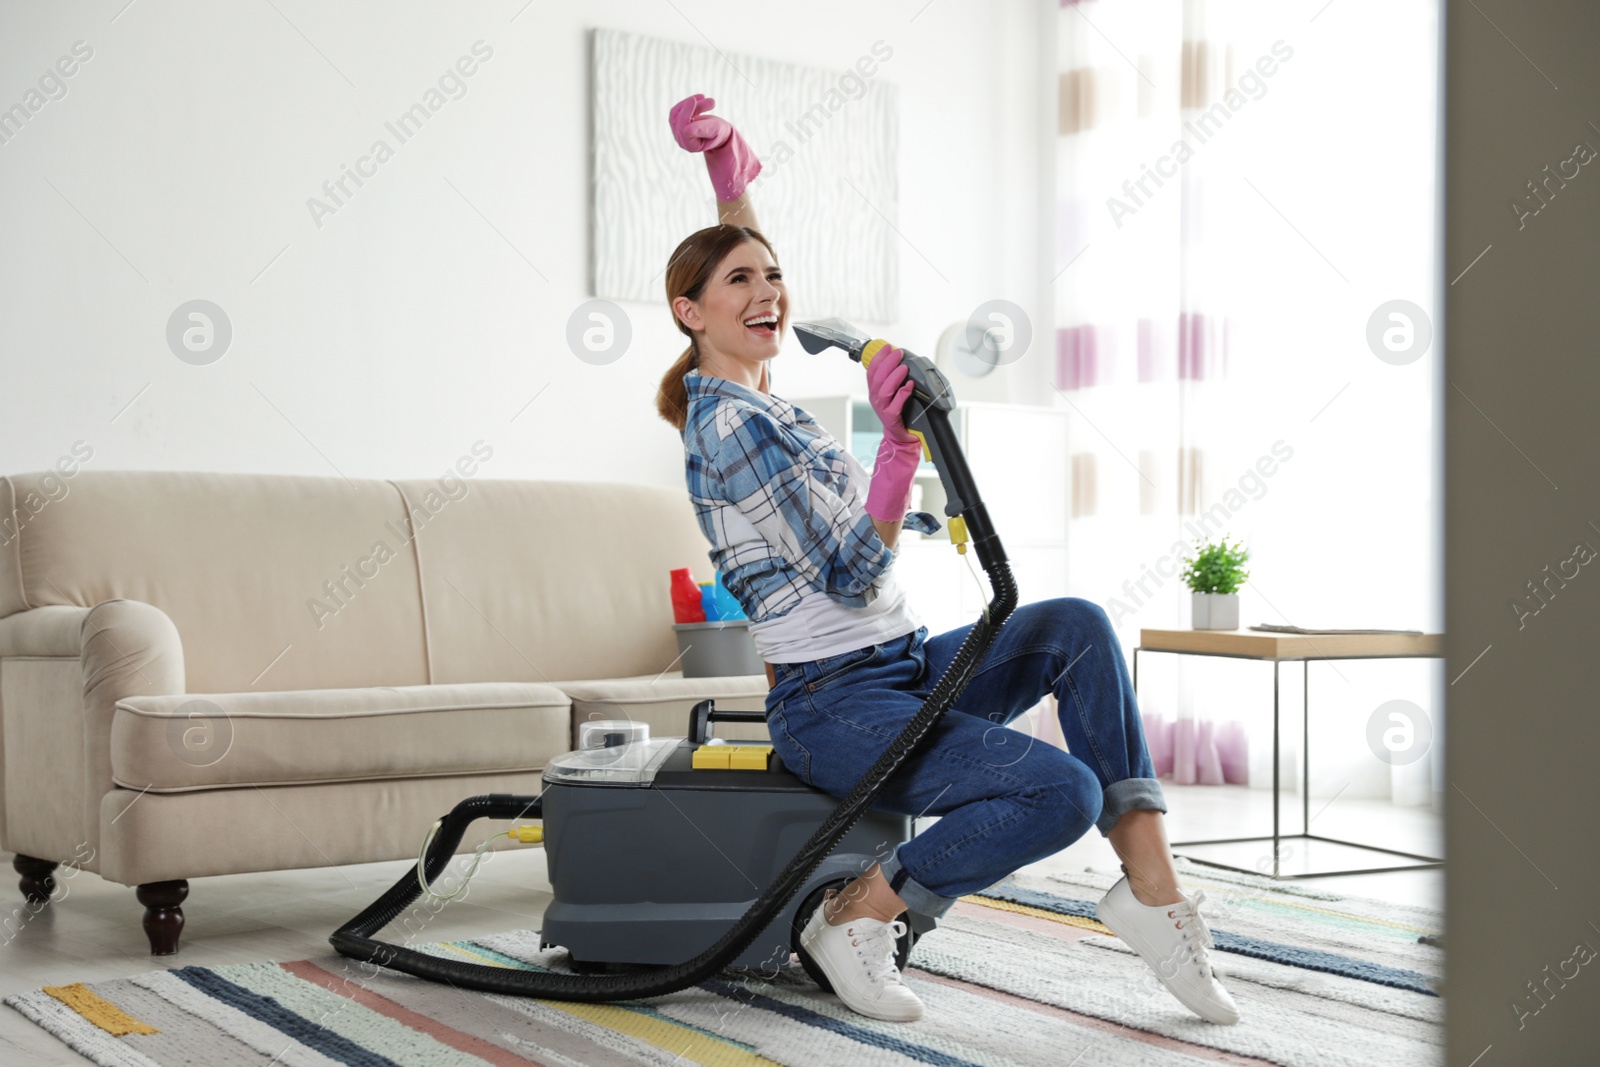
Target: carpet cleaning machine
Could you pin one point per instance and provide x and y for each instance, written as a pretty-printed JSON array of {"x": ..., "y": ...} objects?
[{"x": 658, "y": 847}]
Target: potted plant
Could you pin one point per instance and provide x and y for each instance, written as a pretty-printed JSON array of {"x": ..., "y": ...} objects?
[{"x": 1214, "y": 575}]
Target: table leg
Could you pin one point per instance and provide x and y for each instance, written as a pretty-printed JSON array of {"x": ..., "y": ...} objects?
[
  {"x": 1277, "y": 759},
  {"x": 1305, "y": 746}
]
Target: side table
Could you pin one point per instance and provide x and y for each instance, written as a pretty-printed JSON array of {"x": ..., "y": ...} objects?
[{"x": 1280, "y": 649}]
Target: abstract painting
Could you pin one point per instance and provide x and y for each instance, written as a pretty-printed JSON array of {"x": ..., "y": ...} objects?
[{"x": 828, "y": 140}]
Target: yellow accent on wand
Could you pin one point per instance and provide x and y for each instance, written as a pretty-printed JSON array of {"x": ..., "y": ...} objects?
[
  {"x": 958, "y": 532},
  {"x": 872, "y": 348}
]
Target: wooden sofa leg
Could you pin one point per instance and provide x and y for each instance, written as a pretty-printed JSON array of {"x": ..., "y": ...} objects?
[
  {"x": 37, "y": 882},
  {"x": 163, "y": 914}
]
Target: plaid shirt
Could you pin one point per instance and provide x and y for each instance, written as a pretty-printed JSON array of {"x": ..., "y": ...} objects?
[{"x": 781, "y": 502}]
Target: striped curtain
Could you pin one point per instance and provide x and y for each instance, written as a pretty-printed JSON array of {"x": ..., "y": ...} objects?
[
  {"x": 1242, "y": 187},
  {"x": 1143, "y": 327}
]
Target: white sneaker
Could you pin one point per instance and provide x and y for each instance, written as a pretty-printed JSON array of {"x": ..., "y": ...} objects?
[
  {"x": 858, "y": 958},
  {"x": 1173, "y": 939}
]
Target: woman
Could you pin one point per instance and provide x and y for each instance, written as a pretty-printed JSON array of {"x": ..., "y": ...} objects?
[{"x": 804, "y": 539}]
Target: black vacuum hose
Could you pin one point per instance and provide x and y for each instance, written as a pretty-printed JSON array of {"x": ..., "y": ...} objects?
[{"x": 355, "y": 938}]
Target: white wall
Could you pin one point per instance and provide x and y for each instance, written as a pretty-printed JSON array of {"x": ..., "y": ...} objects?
[{"x": 383, "y": 343}]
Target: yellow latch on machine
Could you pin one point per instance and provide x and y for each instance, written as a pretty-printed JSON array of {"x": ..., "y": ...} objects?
[
  {"x": 711, "y": 757},
  {"x": 749, "y": 757},
  {"x": 731, "y": 757}
]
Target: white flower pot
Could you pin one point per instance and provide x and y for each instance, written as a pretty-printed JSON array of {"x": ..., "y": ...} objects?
[{"x": 1215, "y": 611}]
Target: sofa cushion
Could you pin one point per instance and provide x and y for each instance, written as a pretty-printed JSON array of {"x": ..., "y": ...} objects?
[
  {"x": 154, "y": 838},
  {"x": 274, "y": 581},
  {"x": 532, "y": 581},
  {"x": 664, "y": 701},
  {"x": 170, "y": 744}
]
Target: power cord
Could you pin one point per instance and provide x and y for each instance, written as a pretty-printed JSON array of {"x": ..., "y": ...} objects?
[
  {"x": 527, "y": 835},
  {"x": 983, "y": 597}
]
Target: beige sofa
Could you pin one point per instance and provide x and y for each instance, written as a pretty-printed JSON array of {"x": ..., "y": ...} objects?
[{"x": 207, "y": 674}]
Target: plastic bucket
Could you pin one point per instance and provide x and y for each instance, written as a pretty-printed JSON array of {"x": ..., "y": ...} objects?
[{"x": 717, "y": 649}]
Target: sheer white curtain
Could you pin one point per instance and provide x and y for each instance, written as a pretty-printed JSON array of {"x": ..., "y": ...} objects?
[{"x": 1240, "y": 185}]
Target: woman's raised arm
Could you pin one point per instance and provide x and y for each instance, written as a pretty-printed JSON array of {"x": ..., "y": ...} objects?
[
  {"x": 729, "y": 160},
  {"x": 740, "y": 212}
]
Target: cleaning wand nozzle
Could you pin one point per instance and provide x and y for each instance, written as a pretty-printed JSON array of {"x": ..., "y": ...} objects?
[{"x": 831, "y": 333}]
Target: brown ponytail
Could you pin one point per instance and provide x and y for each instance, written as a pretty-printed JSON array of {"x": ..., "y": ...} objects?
[{"x": 688, "y": 271}]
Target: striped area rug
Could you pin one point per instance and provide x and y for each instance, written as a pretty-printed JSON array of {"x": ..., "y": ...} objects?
[{"x": 1019, "y": 976}]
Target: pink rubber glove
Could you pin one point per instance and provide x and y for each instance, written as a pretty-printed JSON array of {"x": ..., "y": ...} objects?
[
  {"x": 888, "y": 385},
  {"x": 729, "y": 160}
]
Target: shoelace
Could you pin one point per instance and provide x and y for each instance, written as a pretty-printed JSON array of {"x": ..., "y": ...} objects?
[
  {"x": 1196, "y": 934},
  {"x": 877, "y": 947}
]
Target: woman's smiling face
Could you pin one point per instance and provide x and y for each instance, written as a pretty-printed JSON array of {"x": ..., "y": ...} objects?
[{"x": 741, "y": 315}]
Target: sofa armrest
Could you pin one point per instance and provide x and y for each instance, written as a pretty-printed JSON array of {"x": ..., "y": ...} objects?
[
  {"x": 129, "y": 648},
  {"x": 48, "y": 631},
  {"x": 36, "y": 633}
]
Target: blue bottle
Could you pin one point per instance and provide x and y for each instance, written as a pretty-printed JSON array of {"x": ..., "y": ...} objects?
[{"x": 719, "y": 604}]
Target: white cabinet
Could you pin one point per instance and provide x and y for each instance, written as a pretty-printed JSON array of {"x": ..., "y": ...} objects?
[{"x": 1018, "y": 456}]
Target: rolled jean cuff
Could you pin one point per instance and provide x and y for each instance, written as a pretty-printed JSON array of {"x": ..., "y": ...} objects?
[
  {"x": 1128, "y": 795},
  {"x": 918, "y": 897}
]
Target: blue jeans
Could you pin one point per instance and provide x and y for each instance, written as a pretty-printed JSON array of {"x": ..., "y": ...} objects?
[{"x": 1004, "y": 799}]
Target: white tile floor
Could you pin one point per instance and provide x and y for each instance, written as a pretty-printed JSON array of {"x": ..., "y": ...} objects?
[{"x": 93, "y": 932}]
